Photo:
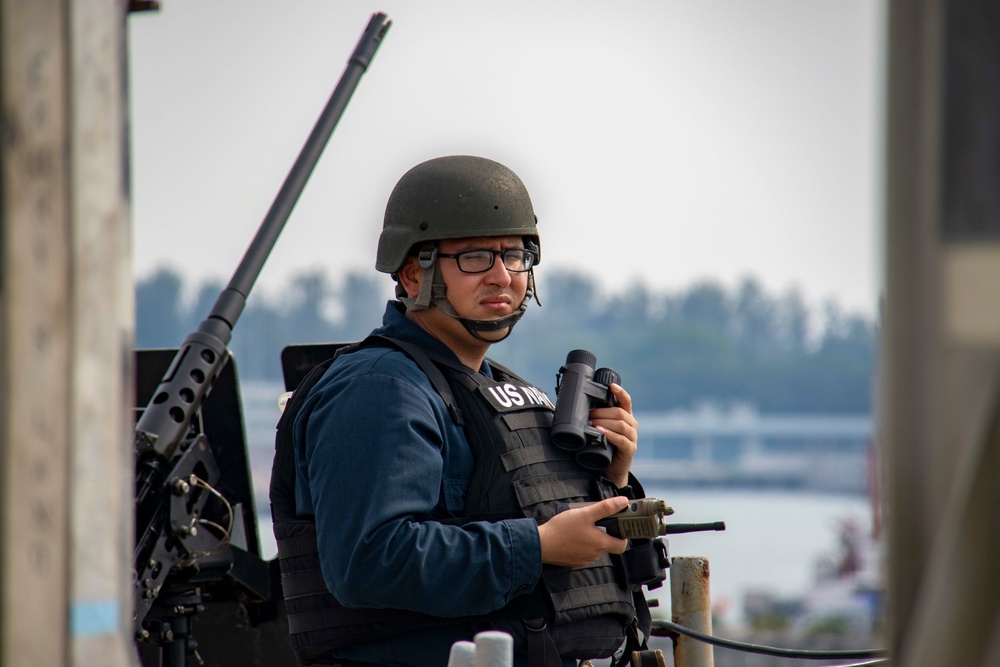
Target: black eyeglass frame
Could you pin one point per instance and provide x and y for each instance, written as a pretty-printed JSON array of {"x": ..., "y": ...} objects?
[{"x": 530, "y": 257}]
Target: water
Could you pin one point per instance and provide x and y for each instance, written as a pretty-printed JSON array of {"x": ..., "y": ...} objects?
[{"x": 772, "y": 542}]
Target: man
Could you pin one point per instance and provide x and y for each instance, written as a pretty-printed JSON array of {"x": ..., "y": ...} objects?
[{"x": 438, "y": 511}]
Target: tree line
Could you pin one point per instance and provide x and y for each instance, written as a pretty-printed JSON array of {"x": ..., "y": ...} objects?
[{"x": 672, "y": 349}]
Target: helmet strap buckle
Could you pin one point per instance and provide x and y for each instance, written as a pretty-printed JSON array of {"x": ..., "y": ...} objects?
[
  {"x": 427, "y": 255},
  {"x": 427, "y": 259}
]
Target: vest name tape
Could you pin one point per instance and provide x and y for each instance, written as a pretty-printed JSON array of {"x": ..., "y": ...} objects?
[{"x": 510, "y": 397}]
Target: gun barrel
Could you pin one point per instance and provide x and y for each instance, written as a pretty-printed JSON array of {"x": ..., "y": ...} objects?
[
  {"x": 232, "y": 300},
  {"x": 165, "y": 421}
]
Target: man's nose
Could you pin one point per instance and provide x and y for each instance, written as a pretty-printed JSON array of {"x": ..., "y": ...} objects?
[{"x": 498, "y": 273}]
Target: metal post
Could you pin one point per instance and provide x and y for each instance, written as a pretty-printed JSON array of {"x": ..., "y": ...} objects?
[{"x": 691, "y": 606}]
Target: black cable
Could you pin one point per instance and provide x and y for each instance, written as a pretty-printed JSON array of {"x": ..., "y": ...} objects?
[{"x": 770, "y": 650}]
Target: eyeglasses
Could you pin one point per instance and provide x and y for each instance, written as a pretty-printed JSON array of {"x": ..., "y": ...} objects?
[{"x": 515, "y": 260}]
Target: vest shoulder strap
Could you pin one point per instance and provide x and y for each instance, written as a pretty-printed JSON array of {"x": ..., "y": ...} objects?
[
  {"x": 504, "y": 370},
  {"x": 424, "y": 359}
]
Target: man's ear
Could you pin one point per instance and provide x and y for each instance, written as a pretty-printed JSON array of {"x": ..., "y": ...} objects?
[{"x": 410, "y": 275}]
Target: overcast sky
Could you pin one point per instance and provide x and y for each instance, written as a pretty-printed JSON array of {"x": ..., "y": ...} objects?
[{"x": 661, "y": 141}]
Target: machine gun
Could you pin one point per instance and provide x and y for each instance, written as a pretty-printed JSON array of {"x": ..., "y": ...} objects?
[{"x": 181, "y": 546}]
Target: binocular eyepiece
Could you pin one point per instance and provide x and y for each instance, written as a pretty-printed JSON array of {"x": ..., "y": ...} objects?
[{"x": 580, "y": 388}]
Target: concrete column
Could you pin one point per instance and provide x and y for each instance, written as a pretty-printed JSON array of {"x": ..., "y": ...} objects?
[
  {"x": 102, "y": 475},
  {"x": 65, "y": 335},
  {"x": 36, "y": 330}
]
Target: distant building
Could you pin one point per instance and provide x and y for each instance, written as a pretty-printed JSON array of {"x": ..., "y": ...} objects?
[{"x": 711, "y": 446}]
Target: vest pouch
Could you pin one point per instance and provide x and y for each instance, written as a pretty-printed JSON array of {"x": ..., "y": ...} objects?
[
  {"x": 645, "y": 564},
  {"x": 593, "y": 638}
]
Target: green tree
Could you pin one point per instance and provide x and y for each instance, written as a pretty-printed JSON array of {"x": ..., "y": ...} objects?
[
  {"x": 754, "y": 319},
  {"x": 706, "y": 303},
  {"x": 792, "y": 321},
  {"x": 308, "y": 302},
  {"x": 362, "y": 301},
  {"x": 160, "y": 319}
]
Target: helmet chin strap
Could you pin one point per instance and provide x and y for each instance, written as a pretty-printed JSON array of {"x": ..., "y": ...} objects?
[
  {"x": 474, "y": 327},
  {"x": 433, "y": 292}
]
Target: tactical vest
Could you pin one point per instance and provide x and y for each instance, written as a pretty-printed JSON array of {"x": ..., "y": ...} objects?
[{"x": 519, "y": 472}]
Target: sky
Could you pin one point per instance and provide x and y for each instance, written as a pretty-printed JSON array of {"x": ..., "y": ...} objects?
[{"x": 663, "y": 142}]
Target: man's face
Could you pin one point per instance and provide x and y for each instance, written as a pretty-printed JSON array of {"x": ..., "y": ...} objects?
[
  {"x": 489, "y": 295},
  {"x": 482, "y": 296}
]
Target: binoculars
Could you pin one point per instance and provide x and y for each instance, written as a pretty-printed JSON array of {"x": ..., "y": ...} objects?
[{"x": 580, "y": 388}]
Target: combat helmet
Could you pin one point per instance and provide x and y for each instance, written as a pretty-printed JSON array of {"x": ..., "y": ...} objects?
[{"x": 457, "y": 196}]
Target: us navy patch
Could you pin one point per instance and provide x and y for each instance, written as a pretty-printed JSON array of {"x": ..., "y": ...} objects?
[{"x": 510, "y": 397}]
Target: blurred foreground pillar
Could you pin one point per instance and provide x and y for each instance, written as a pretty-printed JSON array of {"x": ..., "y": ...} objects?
[
  {"x": 66, "y": 312},
  {"x": 940, "y": 394}
]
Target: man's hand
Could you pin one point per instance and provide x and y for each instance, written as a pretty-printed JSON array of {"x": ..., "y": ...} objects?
[
  {"x": 622, "y": 431},
  {"x": 570, "y": 538}
]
